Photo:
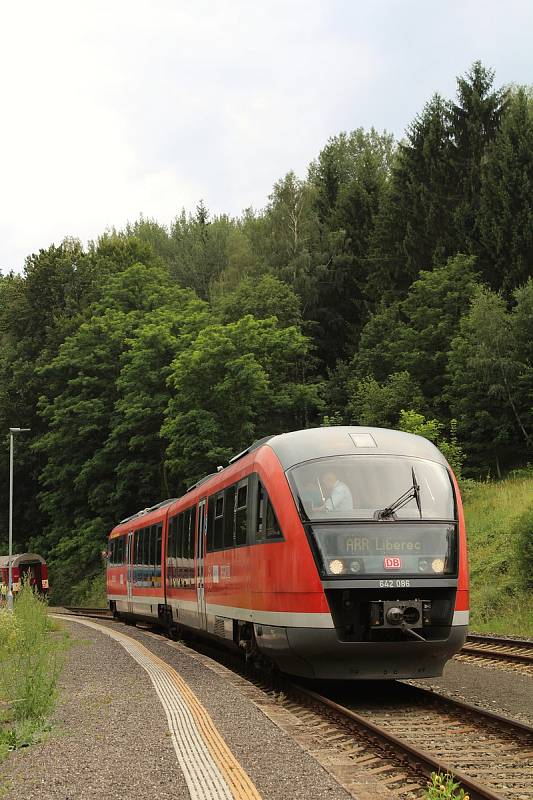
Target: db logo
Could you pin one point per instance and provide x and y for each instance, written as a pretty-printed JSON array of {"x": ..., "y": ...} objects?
[{"x": 392, "y": 562}]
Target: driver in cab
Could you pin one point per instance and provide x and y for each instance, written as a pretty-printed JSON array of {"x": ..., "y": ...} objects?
[{"x": 337, "y": 496}]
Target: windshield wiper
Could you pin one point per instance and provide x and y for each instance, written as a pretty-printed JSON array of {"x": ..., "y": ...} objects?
[{"x": 413, "y": 493}]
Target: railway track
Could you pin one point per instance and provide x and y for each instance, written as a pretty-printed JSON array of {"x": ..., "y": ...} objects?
[
  {"x": 396, "y": 734},
  {"x": 489, "y": 754},
  {"x": 392, "y": 732},
  {"x": 93, "y": 613},
  {"x": 497, "y": 648}
]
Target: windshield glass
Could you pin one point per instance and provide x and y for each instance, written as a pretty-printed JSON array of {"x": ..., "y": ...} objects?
[{"x": 360, "y": 487}]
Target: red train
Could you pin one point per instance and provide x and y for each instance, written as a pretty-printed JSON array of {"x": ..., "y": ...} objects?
[
  {"x": 29, "y": 566},
  {"x": 333, "y": 552}
]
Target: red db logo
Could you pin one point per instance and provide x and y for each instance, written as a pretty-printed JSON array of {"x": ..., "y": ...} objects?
[{"x": 392, "y": 562}]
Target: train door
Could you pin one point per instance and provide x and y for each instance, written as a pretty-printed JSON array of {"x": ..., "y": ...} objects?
[
  {"x": 129, "y": 572},
  {"x": 200, "y": 565}
]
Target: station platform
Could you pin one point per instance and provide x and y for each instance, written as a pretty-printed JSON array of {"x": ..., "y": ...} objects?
[{"x": 142, "y": 717}]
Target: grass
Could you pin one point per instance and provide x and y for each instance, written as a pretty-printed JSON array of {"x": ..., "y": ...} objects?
[
  {"x": 91, "y": 592},
  {"x": 442, "y": 786},
  {"x": 499, "y": 523},
  {"x": 30, "y": 662}
]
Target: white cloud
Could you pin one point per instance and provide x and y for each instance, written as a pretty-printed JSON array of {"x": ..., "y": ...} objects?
[{"x": 116, "y": 108}]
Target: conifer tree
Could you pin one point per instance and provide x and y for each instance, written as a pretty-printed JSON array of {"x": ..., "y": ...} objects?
[
  {"x": 506, "y": 203},
  {"x": 475, "y": 119}
]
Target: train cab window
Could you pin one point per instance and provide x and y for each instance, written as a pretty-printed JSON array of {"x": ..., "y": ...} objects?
[
  {"x": 241, "y": 514},
  {"x": 271, "y": 527},
  {"x": 120, "y": 553},
  {"x": 267, "y": 526}
]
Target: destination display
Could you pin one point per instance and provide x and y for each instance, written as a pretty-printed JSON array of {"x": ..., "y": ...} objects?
[{"x": 408, "y": 549}]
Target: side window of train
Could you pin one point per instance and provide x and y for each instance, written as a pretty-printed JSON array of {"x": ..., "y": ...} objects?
[
  {"x": 229, "y": 510},
  {"x": 241, "y": 513},
  {"x": 218, "y": 536},
  {"x": 266, "y": 524},
  {"x": 158, "y": 540},
  {"x": 210, "y": 544}
]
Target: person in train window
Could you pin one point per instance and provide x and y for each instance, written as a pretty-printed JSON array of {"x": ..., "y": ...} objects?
[{"x": 338, "y": 496}]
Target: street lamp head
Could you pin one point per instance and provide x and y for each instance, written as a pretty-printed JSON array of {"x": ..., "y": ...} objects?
[{"x": 19, "y": 430}]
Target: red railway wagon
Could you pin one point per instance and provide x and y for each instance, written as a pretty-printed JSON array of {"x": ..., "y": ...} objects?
[
  {"x": 333, "y": 552},
  {"x": 29, "y": 566}
]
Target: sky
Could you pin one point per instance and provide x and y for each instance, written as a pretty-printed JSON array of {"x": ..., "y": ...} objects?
[{"x": 116, "y": 108}]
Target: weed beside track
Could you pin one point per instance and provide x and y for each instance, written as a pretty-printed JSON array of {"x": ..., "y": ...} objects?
[{"x": 31, "y": 657}]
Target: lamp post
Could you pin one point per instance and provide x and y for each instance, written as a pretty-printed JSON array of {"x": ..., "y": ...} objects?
[{"x": 12, "y": 432}]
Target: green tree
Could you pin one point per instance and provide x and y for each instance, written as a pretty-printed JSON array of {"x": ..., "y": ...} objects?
[
  {"x": 484, "y": 390},
  {"x": 236, "y": 383},
  {"x": 134, "y": 445},
  {"x": 78, "y": 479},
  {"x": 380, "y": 404},
  {"x": 38, "y": 310},
  {"x": 506, "y": 201},
  {"x": 414, "y": 422},
  {"x": 414, "y": 227},
  {"x": 475, "y": 119},
  {"x": 262, "y": 298},
  {"x": 209, "y": 253},
  {"x": 414, "y": 335},
  {"x": 349, "y": 179}
]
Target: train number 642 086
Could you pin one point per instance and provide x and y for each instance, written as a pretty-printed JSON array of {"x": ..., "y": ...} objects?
[{"x": 399, "y": 583}]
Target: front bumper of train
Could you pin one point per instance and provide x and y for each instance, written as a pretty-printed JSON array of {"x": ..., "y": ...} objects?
[{"x": 320, "y": 653}]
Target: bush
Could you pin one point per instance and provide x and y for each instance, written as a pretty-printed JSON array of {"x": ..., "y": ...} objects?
[
  {"x": 30, "y": 661},
  {"x": 523, "y": 535},
  {"x": 413, "y": 422},
  {"x": 91, "y": 591}
]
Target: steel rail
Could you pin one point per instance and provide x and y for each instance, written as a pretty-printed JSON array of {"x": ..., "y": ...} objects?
[
  {"x": 499, "y": 655},
  {"x": 503, "y": 641},
  {"x": 423, "y": 759}
]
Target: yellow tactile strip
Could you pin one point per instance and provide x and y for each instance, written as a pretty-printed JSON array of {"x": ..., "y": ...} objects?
[{"x": 210, "y": 769}]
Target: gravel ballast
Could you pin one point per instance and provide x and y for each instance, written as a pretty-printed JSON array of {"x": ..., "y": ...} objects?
[{"x": 505, "y": 692}]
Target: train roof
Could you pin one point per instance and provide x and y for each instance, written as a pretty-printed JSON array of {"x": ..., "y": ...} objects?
[
  {"x": 148, "y": 510},
  {"x": 20, "y": 558},
  {"x": 298, "y": 446}
]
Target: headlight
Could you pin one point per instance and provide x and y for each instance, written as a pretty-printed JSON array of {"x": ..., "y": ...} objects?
[
  {"x": 336, "y": 567},
  {"x": 423, "y": 565},
  {"x": 437, "y": 565}
]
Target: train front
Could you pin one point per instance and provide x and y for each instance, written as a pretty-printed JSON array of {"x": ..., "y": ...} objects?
[{"x": 383, "y": 517}]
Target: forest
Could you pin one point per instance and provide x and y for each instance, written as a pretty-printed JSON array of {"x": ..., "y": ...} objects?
[{"x": 390, "y": 286}]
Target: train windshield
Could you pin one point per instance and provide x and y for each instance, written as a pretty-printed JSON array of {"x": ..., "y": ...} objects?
[{"x": 373, "y": 487}]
